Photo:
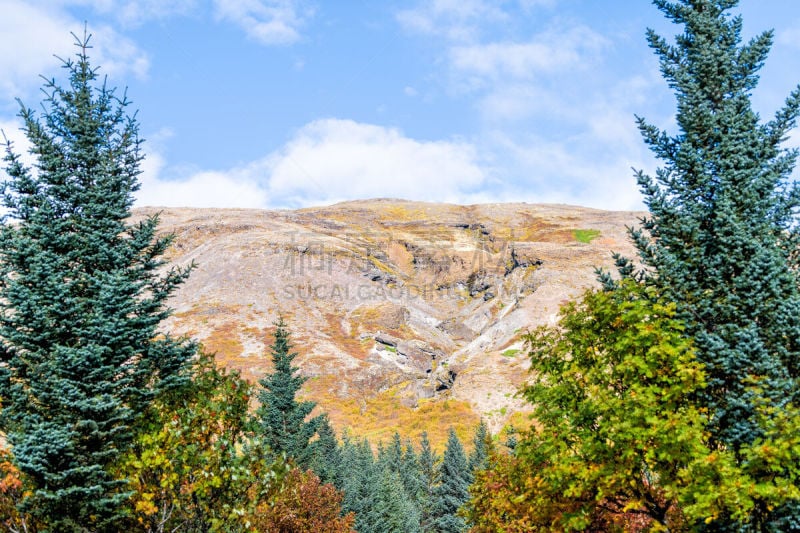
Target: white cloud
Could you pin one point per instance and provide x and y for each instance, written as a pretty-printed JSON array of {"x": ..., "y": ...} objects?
[
  {"x": 566, "y": 172},
  {"x": 547, "y": 77},
  {"x": 12, "y": 131},
  {"x": 551, "y": 51},
  {"x": 458, "y": 20},
  {"x": 235, "y": 188},
  {"x": 266, "y": 21},
  {"x": 328, "y": 161},
  {"x": 517, "y": 102},
  {"x": 38, "y": 32},
  {"x": 331, "y": 160},
  {"x": 531, "y": 4},
  {"x": 32, "y": 37},
  {"x": 790, "y": 36}
]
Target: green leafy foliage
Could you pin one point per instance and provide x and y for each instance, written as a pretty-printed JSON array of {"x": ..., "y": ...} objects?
[
  {"x": 612, "y": 394},
  {"x": 195, "y": 465},
  {"x": 721, "y": 238},
  {"x": 620, "y": 442},
  {"x": 81, "y": 296}
]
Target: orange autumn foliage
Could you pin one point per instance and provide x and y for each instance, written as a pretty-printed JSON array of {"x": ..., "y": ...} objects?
[
  {"x": 303, "y": 504},
  {"x": 12, "y": 491}
]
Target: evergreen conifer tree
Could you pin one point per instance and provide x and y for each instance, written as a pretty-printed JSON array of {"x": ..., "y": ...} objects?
[
  {"x": 411, "y": 474},
  {"x": 392, "y": 511},
  {"x": 280, "y": 417},
  {"x": 453, "y": 490},
  {"x": 722, "y": 236},
  {"x": 360, "y": 483},
  {"x": 326, "y": 455},
  {"x": 429, "y": 479},
  {"x": 480, "y": 451},
  {"x": 81, "y": 296},
  {"x": 511, "y": 438},
  {"x": 404, "y": 464}
]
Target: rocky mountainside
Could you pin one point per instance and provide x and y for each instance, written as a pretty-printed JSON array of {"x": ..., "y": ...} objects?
[{"x": 405, "y": 315}]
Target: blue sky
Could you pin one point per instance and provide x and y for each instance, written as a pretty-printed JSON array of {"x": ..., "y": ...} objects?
[{"x": 294, "y": 103}]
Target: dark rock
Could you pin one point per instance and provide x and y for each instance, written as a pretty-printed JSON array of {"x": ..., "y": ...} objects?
[
  {"x": 445, "y": 380},
  {"x": 385, "y": 339},
  {"x": 520, "y": 260}
]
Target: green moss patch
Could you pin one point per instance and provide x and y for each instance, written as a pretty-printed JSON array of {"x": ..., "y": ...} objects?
[{"x": 585, "y": 235}]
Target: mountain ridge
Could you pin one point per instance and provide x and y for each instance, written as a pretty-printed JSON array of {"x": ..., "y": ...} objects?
[{"x": 406, "y": 315}]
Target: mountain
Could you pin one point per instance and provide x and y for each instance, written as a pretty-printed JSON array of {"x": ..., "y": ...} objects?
[{"x": 406, "y": 315}]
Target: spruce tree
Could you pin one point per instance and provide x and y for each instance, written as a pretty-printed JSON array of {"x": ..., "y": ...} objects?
[
  {"x": 360, "y": 483},
  {"x": 82, "y": 293},
  {"x": 429, "y": 480},
  {"x": 480, "y": 450},
  {"x": 403, "y": 463},
  {"x": 392, "y": 511},
  {"x": 721, "y": 238},
  {"x": 453, "y": 491},
  {"x": 391, "y": 457},
  {"x": 280, "y": 417},
  {"x": 411, "y": 475},
  {"x": 326, "y": 455}
]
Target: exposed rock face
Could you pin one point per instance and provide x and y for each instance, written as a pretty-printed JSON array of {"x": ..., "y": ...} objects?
[{"x": 423, "y": 302}]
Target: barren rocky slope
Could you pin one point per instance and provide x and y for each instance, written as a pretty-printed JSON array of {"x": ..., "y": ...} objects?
[{"x": 406, "y": 315}]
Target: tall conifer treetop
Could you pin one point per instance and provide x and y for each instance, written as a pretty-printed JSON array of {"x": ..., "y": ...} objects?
[
  {"x": 453, "y": 491},
  {"x": 81, "y": 296},
  {"x": 721, "y": 238},
  {"x": 281, "y": 418}
]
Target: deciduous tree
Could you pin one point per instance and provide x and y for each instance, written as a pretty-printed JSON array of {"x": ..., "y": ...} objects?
[
  {"x": 619, "y": 440},
  {"x": 195, "y": 465},
  {"x": 302, "y": 504}
]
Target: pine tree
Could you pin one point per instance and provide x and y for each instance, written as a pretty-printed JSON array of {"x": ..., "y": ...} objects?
[
  {"x": 721, "y": 238},
  {"x": 281, "y": 418},
  {"x": 511, "y": 438},
  {"x": 411, "y": 475},
  {"x": 480, "y": 450},
  {"x": 403, "y": 463},
  {"x": 326, "y": 456},
  {"x": 392, "y": 511},
  {"x": 391, "y": 457},
  {"x": 360, "y": 482},
  {"x": 453, "y": 491},
  {"x": 429, "y": 480},
  {"x": 82, "y": 294}
]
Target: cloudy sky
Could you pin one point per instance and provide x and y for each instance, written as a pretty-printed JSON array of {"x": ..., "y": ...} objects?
[{"x": 292, "y": 103}]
